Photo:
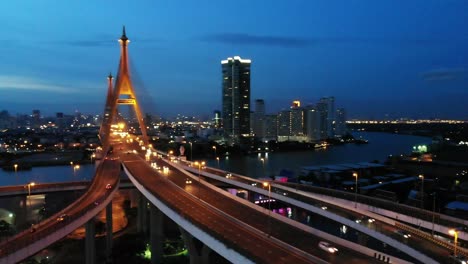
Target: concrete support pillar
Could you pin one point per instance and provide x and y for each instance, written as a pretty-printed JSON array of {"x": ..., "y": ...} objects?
[
  {"x": 90, "y": 247},
  {"x": 156, "y": 234},
  {"x": 109, "y": 227},
  {"x": 197, "y": 256},
  {"x": 142, "y": 225},
  {"x": 205, "y": 254}
]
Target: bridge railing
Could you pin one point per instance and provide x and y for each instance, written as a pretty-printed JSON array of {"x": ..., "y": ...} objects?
[{"x": 384, "y": 204}]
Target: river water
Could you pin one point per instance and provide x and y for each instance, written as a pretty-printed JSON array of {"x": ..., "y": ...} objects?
[{"x": 380, "y": 146}]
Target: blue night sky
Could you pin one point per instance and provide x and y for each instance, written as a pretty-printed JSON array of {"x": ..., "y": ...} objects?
[{"x": 395, "y": 58}]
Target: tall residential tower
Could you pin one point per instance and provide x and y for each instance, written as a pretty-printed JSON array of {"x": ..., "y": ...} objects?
[{"x": 236, "y": 96}]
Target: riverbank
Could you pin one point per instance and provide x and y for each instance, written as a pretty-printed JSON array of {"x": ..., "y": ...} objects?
[{"x": 27, "y": 161}]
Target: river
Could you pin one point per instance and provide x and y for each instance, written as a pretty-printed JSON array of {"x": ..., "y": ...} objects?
[{"x": 380, "y": 146}]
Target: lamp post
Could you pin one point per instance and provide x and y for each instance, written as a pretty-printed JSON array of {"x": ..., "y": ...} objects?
[
  {"x": 29, "y": 194},
  {"x": 16, "y": 170},
  {"x": 267, "y": 184},
  {"x": 454, "y": 233},
  {"x": 421, "y": 176},
  {"x": 29, "y": 187},
  {"x": 217, "y": 159},
  {"x": 355, "y": 174},
  {"x": 75, "y": 168},
  {"x": 263, "y": 166},
  {"x": 214, "y": 148},
  {"x": 199, "y": 164},
  {"x": 191, "y": 158}
]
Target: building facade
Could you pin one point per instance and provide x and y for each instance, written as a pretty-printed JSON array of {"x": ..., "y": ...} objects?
[{"x": 236, "y": 96}]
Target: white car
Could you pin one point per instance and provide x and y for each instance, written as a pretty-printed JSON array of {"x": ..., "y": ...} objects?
[{"x": 327, "y": 247}]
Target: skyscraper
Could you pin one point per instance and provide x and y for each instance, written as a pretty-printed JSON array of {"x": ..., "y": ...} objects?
[
  {"x": 340, "y": 125},
  {"x": 258, "y": 124},
  {"x": 236, "y": 96}
]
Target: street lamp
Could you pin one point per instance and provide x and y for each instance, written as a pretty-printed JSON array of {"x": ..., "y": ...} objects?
[
  {"x": 75, "y": 168},
  {"x": 199, "y": 164},
  {"x": 263, "y": 166},
  {"x": 191, "y": 158},
  {"x": 355, "y": 174},
  {"x": 421, "y": 176},
  {"x": 29, "y": 187},
  {"x": 29, "y": 194},
  {"x": 454, "y": 232},
  {"x": 214, "y": 147},
  {"x": 267, "y": 184},
  {"x": 217, "y": 159},
  {"x": 92, "y": 157},
  {"x": 16, "y": 168}
]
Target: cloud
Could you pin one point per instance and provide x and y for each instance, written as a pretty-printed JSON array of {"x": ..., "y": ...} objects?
[
  {"x": 260, "y": 40},
  {"x": 24, "y": 83},
  {"x": 443, "y": 74}
]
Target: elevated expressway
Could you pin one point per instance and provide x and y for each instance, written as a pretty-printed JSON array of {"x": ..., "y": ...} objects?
[
  {"x": 312, "y": 198},
  {"x": 79, "y": 213},
  {"x": 225, "y": 223}
]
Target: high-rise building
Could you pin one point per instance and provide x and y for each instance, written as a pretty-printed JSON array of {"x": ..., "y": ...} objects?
[
  {"x": 326, "y": 107},
  {"x": 236, "y": 96},
  {"x": 340, "y": 124},
  {"x": 271, "y": 127},
  {"x": 36, "y": 116},
  {"x": 258, "y": 124},
  {"x": 284, "y": 123},
  {"x": 313, "y": 126},
  {"x": 296, "y": 119}
]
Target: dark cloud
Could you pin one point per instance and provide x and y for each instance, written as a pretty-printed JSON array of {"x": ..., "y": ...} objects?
[
  {"x": 260, "y": 40},
  {"x": 443, "y": 74},
  {"x": 281, "y": 41}
]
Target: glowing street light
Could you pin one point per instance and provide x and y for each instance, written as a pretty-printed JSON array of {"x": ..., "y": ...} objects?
[
  {"x": 454, "y": 232},
  {"x": 75, "y": 168},
  {"x": 29, "y": 187},
  {"x": 421, "y": 176},
  {"x": 217, "y": 159},
  {"x": 191, "y": 158},
  {"x": 214, "y": 148},
  {"x": 355, "y": 174},
  {"x": 263, "y": 166},
  {"x": 199, "y": 164},
  {"x": 267, "y": 184},
  {"x": 16, "y": 167}
]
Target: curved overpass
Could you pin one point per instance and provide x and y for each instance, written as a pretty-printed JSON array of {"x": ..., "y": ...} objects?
[
  {"x": 47, "y": 232},
  {"x": 199, "y": 197}
]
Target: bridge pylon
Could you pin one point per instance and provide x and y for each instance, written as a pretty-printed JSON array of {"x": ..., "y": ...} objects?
[{"x": 123, "y": 94}]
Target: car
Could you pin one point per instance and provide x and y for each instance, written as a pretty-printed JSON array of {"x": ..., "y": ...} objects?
[
  {"x": 108, "y": 186},
  {"x": 403, "y": 233},
  {"x": 327, "y": 247},
  {"x": 188, "y": 181},
  {"x": 62, "y": 217}
]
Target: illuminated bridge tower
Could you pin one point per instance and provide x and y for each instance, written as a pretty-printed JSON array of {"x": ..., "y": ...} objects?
[
  {"x": 106, "y": 121},
  {"x": 123, "y": 94}
]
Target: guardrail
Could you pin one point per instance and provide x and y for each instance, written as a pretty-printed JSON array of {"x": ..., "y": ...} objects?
[{"x": 425, "y": 235}]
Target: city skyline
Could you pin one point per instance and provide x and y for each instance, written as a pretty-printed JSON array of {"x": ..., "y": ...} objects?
[{"x": 410, "y": 62}]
